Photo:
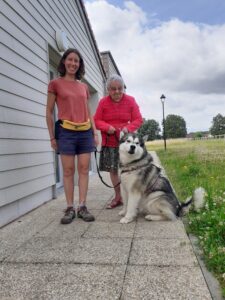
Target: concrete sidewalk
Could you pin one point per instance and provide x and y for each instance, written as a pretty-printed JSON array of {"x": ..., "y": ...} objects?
[{"x": 42, "y": 259}]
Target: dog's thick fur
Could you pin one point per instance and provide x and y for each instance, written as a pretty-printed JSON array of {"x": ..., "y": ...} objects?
[{"x": 144, "y": 188}]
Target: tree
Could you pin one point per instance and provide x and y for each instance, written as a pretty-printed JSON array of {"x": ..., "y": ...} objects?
[
  {"x": 175, "y": 126},
  {"x": 198, "y": 134},
  {"x": 151, "y": 129},
  {"x": 218, "y": 125}
]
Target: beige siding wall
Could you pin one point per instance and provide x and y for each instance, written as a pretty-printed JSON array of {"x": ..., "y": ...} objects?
[{"x": 27, "y": 174}]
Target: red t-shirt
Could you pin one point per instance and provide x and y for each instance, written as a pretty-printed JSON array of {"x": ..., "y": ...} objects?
[
  {"x": 124, "y": 113},
  {"x": 71, "y": 99}
]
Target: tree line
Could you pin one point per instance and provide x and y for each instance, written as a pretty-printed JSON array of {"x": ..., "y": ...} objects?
[{"x": 175, "y": 127}]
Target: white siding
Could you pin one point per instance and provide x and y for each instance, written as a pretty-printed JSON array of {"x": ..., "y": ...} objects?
[
  {"x": 17, "y": 208},
  {"x": 27, "y": 168},
  {"x": 23, "y": 160}
]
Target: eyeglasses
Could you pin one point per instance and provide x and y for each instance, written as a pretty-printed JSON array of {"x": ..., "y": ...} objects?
[{"x": 114, "y": 89}]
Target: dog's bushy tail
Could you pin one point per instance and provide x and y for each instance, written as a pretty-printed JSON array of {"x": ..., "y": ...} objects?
[{"x": 197, "y": 200}]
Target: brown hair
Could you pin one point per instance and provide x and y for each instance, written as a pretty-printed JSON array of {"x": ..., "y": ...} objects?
[{"x": 61, "y": 67}]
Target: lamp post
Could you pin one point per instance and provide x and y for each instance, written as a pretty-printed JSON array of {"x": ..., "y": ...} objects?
[{"x": 163, "y": 98}]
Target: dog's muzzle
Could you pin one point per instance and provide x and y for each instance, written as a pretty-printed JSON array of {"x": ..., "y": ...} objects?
[{"x": 132, "y": 149}]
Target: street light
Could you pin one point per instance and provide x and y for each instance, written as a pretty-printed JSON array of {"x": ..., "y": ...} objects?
[{"x": 163, "y": 98}]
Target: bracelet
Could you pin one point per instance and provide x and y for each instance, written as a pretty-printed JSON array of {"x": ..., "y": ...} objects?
[{"x": 52, "y": 139}]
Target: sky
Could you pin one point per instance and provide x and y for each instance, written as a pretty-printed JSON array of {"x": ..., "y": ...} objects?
[{"x": 170, "y": 47}]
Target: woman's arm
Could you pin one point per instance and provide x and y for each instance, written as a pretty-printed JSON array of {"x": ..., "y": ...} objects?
[
  {"x": 49, "y": 118},
  {"x": 95, "y": 133},
  {"x": 136, "y": 118}
]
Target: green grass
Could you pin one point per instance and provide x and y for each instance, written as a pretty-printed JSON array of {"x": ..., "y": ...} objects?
[{"x": 190, "y": 164}]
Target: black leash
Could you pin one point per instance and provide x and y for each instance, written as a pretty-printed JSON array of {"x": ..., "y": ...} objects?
[{"x": 100, "y": 176}]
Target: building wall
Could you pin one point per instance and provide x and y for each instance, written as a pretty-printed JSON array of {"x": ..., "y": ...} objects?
[
  {"x": 109, "y": 65},
  {"x": 27, "y": 170}
]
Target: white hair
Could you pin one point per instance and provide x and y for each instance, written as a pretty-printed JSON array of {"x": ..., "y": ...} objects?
[{"x": 114, "y": 77}]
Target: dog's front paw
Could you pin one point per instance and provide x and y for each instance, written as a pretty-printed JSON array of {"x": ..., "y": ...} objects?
[
  {"x": 122, "y": 213},
  {"x": 126, "y": 220}
]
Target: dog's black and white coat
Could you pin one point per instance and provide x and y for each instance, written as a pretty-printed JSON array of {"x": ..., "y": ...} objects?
[{"x": 144, "y": 188}]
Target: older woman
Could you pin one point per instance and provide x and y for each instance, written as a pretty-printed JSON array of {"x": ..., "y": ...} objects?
[{"x": 116, "y": 112}]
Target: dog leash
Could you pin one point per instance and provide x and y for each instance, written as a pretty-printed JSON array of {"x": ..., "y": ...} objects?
[
  {"x": 100, "y": 176},
  {"x": 98, "y": 171}
]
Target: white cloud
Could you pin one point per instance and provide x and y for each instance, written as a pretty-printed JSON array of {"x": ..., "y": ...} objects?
[{"x": 184, "y": 61}]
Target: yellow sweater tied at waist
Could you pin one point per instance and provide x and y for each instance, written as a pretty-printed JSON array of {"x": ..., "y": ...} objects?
[{"x": 75, "y": 126}]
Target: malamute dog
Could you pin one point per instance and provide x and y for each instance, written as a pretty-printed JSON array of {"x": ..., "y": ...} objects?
[{"x": 144, "y": 188}]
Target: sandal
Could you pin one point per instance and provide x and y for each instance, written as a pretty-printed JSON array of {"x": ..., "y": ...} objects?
[{"x": 114, "y": 203}]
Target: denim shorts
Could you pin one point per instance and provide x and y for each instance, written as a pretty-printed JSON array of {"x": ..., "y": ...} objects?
[{"x": 72, "y": 142}]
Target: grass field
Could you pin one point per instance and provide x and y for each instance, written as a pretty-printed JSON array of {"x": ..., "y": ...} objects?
[{"x": 190, "y": 164}]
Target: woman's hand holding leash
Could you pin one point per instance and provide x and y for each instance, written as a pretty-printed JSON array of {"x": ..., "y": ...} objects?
[
  {"x": 125, "y": 130},
  {"x": 111, "y": 130}
]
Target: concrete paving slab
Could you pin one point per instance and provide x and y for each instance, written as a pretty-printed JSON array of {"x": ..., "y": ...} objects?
[
  {"x": 110, "y": 230},
  {"x": 92, "y": 203},
  {"x": 162, "y": 252},
  {"x": 98, "y": 195},
  {"x": 76, "y": 250},
  {"x": 99, "y": 190},
  {"x": 38, "y": 217},
  {"x": 164, "y": 229},
  {"x": 109, "y": 215},
  {"x": 56, "y": 281},
  {"x": 96, "y": 204},
  {"x": 57, "y": 204},
  {"x": 164, "y": 283},
  {"x": 96, "y": 199},
  {"x": 16, "y": 233},
  {"x": 56, "y": 230}
]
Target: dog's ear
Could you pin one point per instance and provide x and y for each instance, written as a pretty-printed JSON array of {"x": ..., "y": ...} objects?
[
  {"x": 121, "y": 135},
  {"x": 145, "y": 138}
]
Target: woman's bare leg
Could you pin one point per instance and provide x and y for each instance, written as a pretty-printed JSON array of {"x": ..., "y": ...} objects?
[
  {"x": 68, "y": 164},
  {"x": 83, "y": 171},
  {"x": 117, "y": 200},
  {"x": 115, "y": 180}
]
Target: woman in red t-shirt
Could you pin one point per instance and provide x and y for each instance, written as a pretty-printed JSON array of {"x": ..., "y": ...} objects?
[
  {"x": 71, "y": 97},
  {"x": 116, "y": 112}
]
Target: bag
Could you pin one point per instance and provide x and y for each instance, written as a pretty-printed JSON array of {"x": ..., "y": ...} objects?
[
  {"x": 76, "y": 126},
  {"x": 71, "y": 126}
]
